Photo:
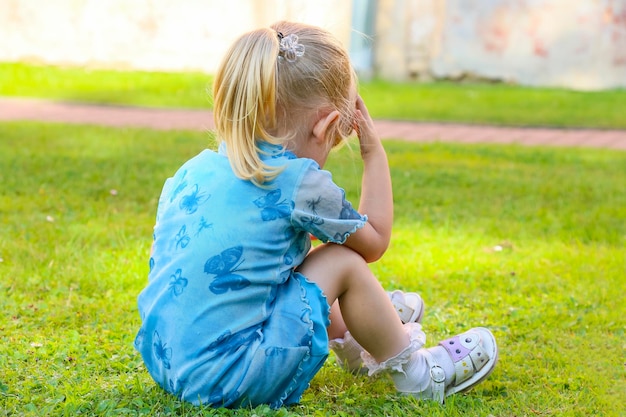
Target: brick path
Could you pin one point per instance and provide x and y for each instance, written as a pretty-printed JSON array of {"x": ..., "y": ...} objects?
[{"x": 164, "y": 119}]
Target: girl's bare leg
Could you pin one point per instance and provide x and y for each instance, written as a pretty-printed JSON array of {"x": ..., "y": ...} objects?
[
  {"x": 337, "y": 328},
  {"x": 372, "y": 321},
  {"x": 344, "y": 276}
]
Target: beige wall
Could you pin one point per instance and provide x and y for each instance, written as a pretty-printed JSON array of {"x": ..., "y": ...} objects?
[
  {"x": 578, "y": 43},
  {"x": 572, "y": 43},
  {"x": 148, "y": 34},
  {"x": 566, "y": 43},
  {"x": 408, "y": 34}
]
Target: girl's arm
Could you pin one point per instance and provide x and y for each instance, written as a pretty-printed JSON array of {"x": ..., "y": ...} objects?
[{"x": 372, "y": 240}]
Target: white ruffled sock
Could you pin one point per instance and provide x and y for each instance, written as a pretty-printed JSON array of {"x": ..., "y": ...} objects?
[
  {"x": 348, "y": 353},
  {"x": 411, "y": 368},
  {"x": 417, "y": 339},
  {"x": 415, "y": 375}
]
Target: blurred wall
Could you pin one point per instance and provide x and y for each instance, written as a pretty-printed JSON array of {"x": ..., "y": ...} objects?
[
  {"x": 148, "y": 34},
  {"x": 408, "y": 34},
  {"x": 578, "y": 44}
]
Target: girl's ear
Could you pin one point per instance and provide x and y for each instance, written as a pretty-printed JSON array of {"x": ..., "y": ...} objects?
[{"x": 321, "y": 127}]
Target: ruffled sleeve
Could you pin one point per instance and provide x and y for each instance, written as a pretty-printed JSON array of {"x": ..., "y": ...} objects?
[{"x": 322, "y": 210}]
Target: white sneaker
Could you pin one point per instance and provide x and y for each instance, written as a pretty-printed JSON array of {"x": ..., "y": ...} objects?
[{"x": 471, "y": 357}]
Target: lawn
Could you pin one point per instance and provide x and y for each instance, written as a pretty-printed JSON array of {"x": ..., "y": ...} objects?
[
  {"x": 527, "y": 241},
  {"x": 440, "y": 101}
]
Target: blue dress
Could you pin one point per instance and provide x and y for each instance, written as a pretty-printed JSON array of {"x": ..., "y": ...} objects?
[{"x": 226, "y": 319}]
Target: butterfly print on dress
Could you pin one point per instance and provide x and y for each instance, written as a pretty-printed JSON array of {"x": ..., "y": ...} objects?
[
  {"x": 311, "y": 223},
  {"x": 312, "y": 204},
  {"x": 161, "y": 351},
  {"x": 230, "y": 343},
  {"x": 341, "y": 237},
  {"x": 189, "y": 203},
  {"x": 347, "y": 211},
  {"x": 271, "y": 208},
  {"x": 223, "y": 266},
  {"x": 203, "y": 225},
  {"x": 177, "y": 283},
  {"x": 182, "y": 238}
]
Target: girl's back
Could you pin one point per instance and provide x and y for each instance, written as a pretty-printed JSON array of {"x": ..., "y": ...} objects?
[{"x": 223, "y": 248}]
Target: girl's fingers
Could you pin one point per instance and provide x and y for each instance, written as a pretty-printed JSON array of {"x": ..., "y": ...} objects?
[
  {"x": 363, "y": 123},
  {"x": 364, "y": 127},
  {"x": 362, "y": 108},
  {"x": 360, "y": 105}
]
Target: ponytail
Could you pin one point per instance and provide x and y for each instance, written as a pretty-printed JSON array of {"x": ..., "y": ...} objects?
[
  {"x": 270, "y": 82},
  {"x": 244, "y": 94}
]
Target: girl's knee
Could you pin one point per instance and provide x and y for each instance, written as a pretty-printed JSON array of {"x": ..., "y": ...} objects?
[
  {"x": 334, "y": 268},
  {"x": 337, "y": 254}
]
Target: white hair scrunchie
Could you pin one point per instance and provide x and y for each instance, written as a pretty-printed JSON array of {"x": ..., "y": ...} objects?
[{"x": 289, "y": 48}]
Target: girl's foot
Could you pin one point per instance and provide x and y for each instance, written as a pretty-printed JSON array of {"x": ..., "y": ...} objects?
[
  {"x": 410, "y": 309},
  {"x": 455, "y": 365}
]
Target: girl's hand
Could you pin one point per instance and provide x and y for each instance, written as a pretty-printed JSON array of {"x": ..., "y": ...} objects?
[
  {"x": 376, "y": 195},
  {"x": 364, "y": 127}
]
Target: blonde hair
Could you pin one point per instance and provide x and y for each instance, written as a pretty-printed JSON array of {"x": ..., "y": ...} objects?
[{"x": 255, "y": 93}]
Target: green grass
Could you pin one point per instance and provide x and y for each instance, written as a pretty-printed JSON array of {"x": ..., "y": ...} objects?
[
  {"x": 498, "y": 104},
  {"x": 76, "y": 214},
  {"x": 155, "y": 89},
  {"x": 441, "y": 101}
]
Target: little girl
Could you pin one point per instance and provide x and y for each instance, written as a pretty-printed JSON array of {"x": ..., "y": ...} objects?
[{"x": 238, "y": 311}]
